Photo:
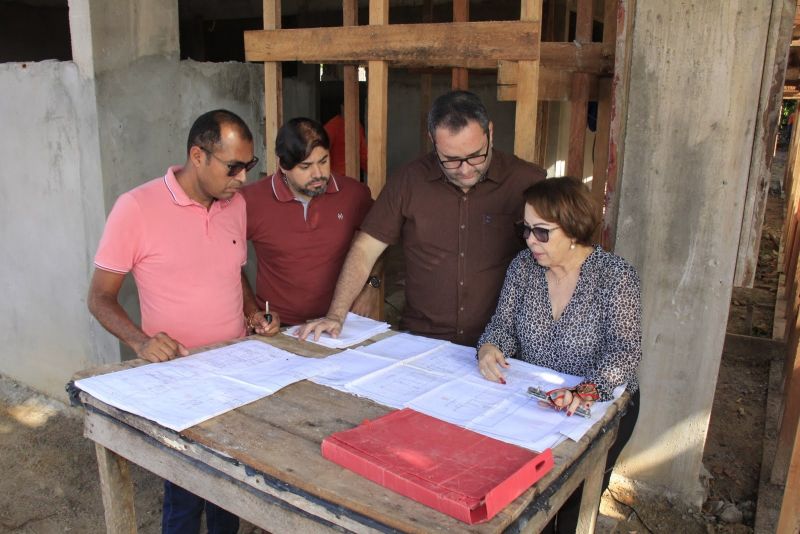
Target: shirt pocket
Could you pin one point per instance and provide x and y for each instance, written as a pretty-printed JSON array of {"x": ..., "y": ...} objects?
[{"x": 499, "y": 243}]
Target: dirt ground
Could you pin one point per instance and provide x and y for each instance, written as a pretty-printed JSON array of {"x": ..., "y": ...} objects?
[{"x": 49, "y": 481}]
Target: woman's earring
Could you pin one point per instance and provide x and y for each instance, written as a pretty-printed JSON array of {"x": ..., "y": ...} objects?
[{"x": 572, "y": 246}]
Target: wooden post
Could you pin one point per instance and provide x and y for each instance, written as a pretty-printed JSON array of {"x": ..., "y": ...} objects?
[
  {"x": 580, "y": 96},
  {"x": 352, "y": 139},
  {"x": 789, "y": 518},
  {"x": 527, "y": 92},
  {"x": 603, "y": 130},
  {"x": 117, "y": 490},
  {"x": 460, "y": 14},
  {"x": 273, "y": 88},
  {"x": 425, "y": 88}
]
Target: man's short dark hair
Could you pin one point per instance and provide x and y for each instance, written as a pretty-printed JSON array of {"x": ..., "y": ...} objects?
[
  {"x": 454, "y": 110},
  {"x": 297, "y": 139},
  {"x": 205, "y": 132}
]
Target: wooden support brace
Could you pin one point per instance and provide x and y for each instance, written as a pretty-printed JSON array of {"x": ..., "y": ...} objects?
[
  {"x": 117, "y": 490},
  {"x": 273, "y": 88},
  {"x": 460, "y": 74},
  {"x": 554, "y": 84},
  {"x": 352, "y": 140},
  {"x": 456, "y": 44},
  {"x": 527, "y": 92}
]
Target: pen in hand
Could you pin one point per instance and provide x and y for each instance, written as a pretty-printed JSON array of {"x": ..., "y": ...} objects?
[{"x": 267, "y": 314}]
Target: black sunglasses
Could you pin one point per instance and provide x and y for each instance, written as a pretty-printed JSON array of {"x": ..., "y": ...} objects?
[
  {"x": 542, "y": 235},
  {"x": 236, "y": 167},
  {"x": 455, "y": 163}
]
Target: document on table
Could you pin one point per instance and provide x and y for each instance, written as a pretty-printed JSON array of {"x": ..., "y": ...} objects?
[
  {"x": 186, "y": 391},
  {"x": 442, "y": 380},
  {"x": 356, "y": 329}
]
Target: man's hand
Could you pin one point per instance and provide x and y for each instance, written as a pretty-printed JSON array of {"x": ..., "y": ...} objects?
[
  {"x": 160, "y": 348},
  {"x": 490, "y": 360},
  {"x": 258, "y": 322},
  {"x": 331, "y": 325}
]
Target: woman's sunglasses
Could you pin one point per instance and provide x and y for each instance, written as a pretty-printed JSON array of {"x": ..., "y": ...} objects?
[{"x": 542, "y": 235}]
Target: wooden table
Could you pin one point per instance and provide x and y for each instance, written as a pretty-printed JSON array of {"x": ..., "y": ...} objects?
[{"x": 263, "y": 462}]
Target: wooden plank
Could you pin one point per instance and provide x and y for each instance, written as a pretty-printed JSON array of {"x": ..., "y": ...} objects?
[
  {"x": 116, "y": 487},
  {"x": 378, "y": 102},
  {"x": 769, "y": 106},
  {"x": 442, "y": 44},
  {"x": 590, "y": 496},
  {"x": 352, "y": 140},
  {"x": 460, "y": 75},
  {"x": 789, "y": 518},
  {"x": 273, "y": 88},
  {"x": 554, "y": 84},
  {"x": 425, "y": 90},
  {"x": 527, "y": 92},
  {"x": 577, "y": 125},
  {"x": 584, "y": 21}
]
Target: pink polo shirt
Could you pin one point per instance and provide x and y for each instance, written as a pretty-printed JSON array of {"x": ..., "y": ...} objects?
[{"x": 186, "y": 260}]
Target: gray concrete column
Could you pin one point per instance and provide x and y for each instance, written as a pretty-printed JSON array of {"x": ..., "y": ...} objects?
[{"x": 695, "y": 76}]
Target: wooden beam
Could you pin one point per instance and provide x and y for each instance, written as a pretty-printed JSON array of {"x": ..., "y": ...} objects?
[
  {"x": 439, "y": 44},
  {"x": 116, "y": 488},
  {"x": 527, "y": 108},
  {"x": 377, "y": 100},
  {"x": 767, "y": 118},
  {"x": 460, "y": 74},
  {"x": 593, "y": 58},
  {"x": 579, "y": 102},
  {"x": 273, "y": 89},
  {"x": 554, "y": 84},
  {"x": 352, "y": 140}
]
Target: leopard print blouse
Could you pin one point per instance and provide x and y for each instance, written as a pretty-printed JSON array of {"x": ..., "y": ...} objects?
[{"x": 599, "y": 333}]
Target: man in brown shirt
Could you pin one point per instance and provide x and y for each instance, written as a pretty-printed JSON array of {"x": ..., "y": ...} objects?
[{"x": 454, "y": 211}]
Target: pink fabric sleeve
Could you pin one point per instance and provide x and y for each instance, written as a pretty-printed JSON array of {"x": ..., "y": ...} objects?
[{"x": 120, "y": 246}]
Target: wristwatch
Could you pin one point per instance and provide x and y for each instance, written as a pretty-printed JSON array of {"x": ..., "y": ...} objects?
[{"x": 374, "y": 281}]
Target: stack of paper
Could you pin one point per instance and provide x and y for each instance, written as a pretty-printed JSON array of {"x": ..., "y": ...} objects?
[
  {"x": 186, "y": 391},
  {"x": 356, "y": 329}
]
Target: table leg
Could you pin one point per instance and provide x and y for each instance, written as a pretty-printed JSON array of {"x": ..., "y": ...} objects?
[
  {"x": 590, "y": 498},
  {"x": 117, "y": 489}
]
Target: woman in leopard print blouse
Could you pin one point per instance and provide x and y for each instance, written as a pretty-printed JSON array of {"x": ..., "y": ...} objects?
[{"x": 568, "y": 306}]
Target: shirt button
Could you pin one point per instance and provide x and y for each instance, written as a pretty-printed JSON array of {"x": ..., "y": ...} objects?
[
  {"x": 460, "y": 331},
  {"x": 461, "y": 254},
  {"x": 463, "y": 226},
  {"x": 461, "y": 283},
  {"x": 462, "y": 308}
]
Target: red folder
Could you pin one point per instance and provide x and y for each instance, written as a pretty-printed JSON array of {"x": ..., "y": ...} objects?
[{"x": 457, "y": 471}]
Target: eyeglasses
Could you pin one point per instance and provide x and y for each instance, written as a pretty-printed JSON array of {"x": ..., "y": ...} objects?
[
  {"x": 455, "y": 163},
  {"x": 542, "y": 235},
  {"x": 236, "y": 167}
]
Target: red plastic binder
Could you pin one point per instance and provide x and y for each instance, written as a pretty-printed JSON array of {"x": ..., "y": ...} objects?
[{"x": 457, "y": 471}]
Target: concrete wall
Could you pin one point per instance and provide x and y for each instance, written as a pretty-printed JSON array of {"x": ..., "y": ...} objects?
[
  {"x": 694, "y": 86},
  {"x": 79, "y": 134},
  {"x": 51, "y": 210}
]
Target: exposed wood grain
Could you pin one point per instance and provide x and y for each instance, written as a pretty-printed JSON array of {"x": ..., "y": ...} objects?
[
  {"x": 117, "y": 490},
  {"x": 451, "y": 44},
  {"x": 273, "y": 88},
  {"x": 460, "y": 76},
  {"x": 577, "y": 124},
  {"x": 554, "y": 84},
  {"x": 526, "y": 111}
]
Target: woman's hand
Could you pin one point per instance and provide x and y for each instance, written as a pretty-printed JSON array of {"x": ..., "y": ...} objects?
[
  {"x": 582, "y": 396},
  {"x": 490, "y": 360}
]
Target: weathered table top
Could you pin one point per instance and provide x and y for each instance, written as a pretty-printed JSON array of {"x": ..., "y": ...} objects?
[{"x": 263, "y": 462}]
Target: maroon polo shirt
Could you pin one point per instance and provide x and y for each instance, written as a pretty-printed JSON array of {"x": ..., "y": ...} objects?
[
  {"x": 457, "y": 245},
  {"x": 299, "y": 258}
]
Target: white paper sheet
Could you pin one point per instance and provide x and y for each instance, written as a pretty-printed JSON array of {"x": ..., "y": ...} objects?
[
  {"x": 402, "y": 346},
  {"x": 186, "y": 391},
  {"x": 356, "y": 329},
  {"x": 351, "y": 365}
]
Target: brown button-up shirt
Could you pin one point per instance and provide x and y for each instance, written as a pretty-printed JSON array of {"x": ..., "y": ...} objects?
[{"x": 457, "y": 245}]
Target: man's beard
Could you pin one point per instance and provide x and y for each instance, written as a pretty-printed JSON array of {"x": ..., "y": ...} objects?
[{"x": 318, "y": 191}]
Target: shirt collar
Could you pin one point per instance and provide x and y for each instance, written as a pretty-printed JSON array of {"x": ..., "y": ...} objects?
[
  {"x": 283, "y": 193},
  {"x": 180, "y": 197}
]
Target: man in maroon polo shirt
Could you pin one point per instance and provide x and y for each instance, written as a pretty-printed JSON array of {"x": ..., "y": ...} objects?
[
  {"x": 301, "y": 221},
  {"x": 454, "y": 211}
]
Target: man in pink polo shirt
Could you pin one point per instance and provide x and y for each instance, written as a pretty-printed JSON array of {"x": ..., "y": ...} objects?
[
  {"x": 182, "y": 236},
  {"x": 301, "y": 221}
]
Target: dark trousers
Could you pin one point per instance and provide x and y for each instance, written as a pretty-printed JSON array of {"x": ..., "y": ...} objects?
[
  {"x": 183, "y": 510},
  {"x": 566, "y": 520}
]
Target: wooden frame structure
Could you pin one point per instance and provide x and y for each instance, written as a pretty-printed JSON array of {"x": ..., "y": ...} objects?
[{"x": 528, "y": 70}]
